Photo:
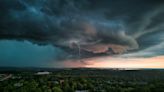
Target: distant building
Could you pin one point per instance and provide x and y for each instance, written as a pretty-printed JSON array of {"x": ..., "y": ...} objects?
[
  {"x": 16, "y": 77},
  {"x": 61, "y": 81},
  {"x": 18, "y": 84},
  {"x": 55, "y": 82},
  {"x": 42, "y": 73}
]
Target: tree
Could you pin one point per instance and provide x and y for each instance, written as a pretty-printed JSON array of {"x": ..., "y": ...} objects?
[{"x": 56, "y": 89}]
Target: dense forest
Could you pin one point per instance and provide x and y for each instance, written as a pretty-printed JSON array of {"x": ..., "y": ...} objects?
[{"x": 82, "y": 80}]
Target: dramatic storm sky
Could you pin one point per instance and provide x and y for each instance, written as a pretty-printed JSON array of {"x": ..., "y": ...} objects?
[{"x": 82, "y": 33}]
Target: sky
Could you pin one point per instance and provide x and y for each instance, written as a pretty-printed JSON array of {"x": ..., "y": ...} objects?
[{"x": 82, "y": 33}]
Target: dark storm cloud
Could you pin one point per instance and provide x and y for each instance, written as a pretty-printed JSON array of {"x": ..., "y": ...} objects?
[
  {"x": 23, "y": 53},
  {"x": 95, "y": 27}
]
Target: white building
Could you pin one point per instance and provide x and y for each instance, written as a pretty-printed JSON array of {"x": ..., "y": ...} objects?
[
  {"x": 18, "y": 84},
  {"x": 42, "y": 73}
]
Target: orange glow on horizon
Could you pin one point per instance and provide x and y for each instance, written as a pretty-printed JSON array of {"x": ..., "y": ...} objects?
[{"x": 109, "y": 62}]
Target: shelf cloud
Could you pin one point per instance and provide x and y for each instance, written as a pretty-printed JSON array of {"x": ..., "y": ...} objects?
[{"x": 86, "y": 28}]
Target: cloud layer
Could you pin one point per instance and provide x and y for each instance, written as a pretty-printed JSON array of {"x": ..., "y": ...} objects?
[{"x": 87, "y": 28}]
